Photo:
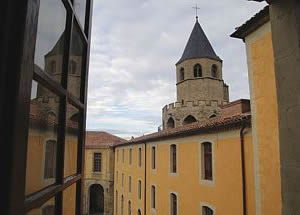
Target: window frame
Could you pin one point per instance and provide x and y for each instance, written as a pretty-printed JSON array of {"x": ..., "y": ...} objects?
[
  {"x": 153, "y": 197},
  {"x": 171, "y": 160},
  {"x": 140, "y": 156},
  {"x": 202, "y": 180},
  {"x": 171, "y": 204},
  {"x": 204, "y": 204},
  {"x": 139, "y": 190},
  {"x": 100, "y": 162},
  {"x": 153, "y": 158},
  {"x": 17, "y": 68}
]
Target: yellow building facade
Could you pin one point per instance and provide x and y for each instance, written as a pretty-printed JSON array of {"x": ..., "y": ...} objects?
[{"x": 145, "y": 181}]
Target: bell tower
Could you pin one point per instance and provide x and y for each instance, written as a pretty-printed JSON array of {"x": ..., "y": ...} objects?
[{"x": 201, "y": 90}]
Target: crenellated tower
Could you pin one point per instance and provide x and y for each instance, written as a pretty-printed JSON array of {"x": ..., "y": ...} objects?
[{"x": 201, "y": 90}]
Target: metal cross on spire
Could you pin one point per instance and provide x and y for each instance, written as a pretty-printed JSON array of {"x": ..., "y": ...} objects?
[{"x": 196, "y": 8}]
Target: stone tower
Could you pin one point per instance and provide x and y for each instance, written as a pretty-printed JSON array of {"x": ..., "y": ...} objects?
[{"x": 201, "y": 90}]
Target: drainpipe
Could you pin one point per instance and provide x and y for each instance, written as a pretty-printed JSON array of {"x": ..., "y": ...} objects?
[
  {"x": 243, "y": 169},
  {"x": 145, "y": 184}
]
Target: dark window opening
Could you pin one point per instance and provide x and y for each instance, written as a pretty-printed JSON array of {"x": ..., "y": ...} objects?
[
  {"x": 181, "y": 74},
  {"x": 173, "y": 204},
  {"x": 214, "y": 71},
  {"x": 189, "y": 119},
  {"x": 207, "y": 161},
  {"x": 173, "y": 158},
  {"x": 207, "y": 211},
  {"x": 197, "y": 71},
  {"x": 153, "y": 196},
  {"x": 171, "y": 123},
  {"x": 153, "y": 157}
]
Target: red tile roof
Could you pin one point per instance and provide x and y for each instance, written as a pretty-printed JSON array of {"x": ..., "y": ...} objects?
[
  {"x": 100, "y": 139},
  {"x": 216, "y": 124}
]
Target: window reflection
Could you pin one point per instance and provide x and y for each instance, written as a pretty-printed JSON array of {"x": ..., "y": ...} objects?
[
  {"x": 46, "y": 209},
  {"x": 42, "y": 138},
  {"x": 71, "y": 140},
  {"x": 49, "y": 46},
  {"x": 75, "y": 64},
  {"x": 80, "y": 7}
]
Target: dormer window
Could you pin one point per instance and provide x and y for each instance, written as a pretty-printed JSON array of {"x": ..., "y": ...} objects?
[
  {"x": 197, "y": 71},
  {"x": 181, "y": 74},
  {"x": 214, "y": 71}
]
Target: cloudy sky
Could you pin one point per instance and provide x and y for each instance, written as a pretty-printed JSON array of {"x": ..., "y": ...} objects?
[{"x": 135, "y": 45}]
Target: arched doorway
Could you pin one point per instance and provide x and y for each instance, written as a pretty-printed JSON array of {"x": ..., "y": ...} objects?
[
  {"x": 189, "y": 119},
  {"x": 96, "y": 200}
]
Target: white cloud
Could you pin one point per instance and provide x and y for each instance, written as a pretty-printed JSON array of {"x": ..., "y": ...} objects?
[{"x": 135, "y": 45}]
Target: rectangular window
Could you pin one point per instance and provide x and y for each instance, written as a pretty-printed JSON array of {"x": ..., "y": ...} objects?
[
  {"x": 130, "y": 156},
  {"x": 139, "y": 189},
  {"x": 129, "y": 184},
  {"x": 153, "y": 157},
  {"x": 140, "y": 157},
  {"x": 207, "y": 161},
  {"x": 173, "y": 206},
  {"x": 97, "y": 162},
  {"x": 173, "y": 158},
  {"x": 153, "y": 196}
]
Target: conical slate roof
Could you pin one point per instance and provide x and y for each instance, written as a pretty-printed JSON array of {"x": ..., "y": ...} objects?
[{"x": 198, "y": 46}]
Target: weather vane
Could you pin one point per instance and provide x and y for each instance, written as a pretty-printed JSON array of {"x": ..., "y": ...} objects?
[{"x": 196, "y": 8}]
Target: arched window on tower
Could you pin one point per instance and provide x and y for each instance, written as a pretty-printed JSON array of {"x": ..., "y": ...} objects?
[
  {"x": 214, "y": 71},
  {"x": 189, "y": 119},
  {"x": 181, "y": 74},
  {"x": 73, "y": 67},
  {"x": 170, "y": 123},
  {"x": 52, "y": 67},
  {"x": 197, "y": 71}
]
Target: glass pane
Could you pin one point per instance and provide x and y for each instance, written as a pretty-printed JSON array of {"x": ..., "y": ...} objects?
[
  {"x": 47, "y": 208},
  {"x": 69, "y": 200},
  {"x": 42, "y": 138},
  {"x": 49, "y": 46},
  {"x": 80, "y": 6},
  {"x": 71, "y": 140},
  {"x": 76, "y": 60}
]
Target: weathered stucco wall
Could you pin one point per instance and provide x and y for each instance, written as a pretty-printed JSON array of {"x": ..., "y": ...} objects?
[{"x": 264, "y": 120}]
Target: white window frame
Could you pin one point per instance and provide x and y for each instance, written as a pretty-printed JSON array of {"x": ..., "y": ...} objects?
[
  {"x": 139, "y": 190},
  {"x": 129, "y": 184},
  {"x": 201, "y": 164},
  {"x": 139, "y": 158},
  {"x": 155, "y": 161},
  {"x": 204, "y": 204},
  {"x": 130, "y": 156},
  {"x": 151, "y": 203},
  {"x": 177, "y": 202},
  {"x": 177, "y": 158}
]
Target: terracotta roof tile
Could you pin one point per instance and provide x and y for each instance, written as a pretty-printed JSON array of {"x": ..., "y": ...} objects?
[
  {"x": 96, "y": 139},
  {"x": 217, "y": 123}
]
